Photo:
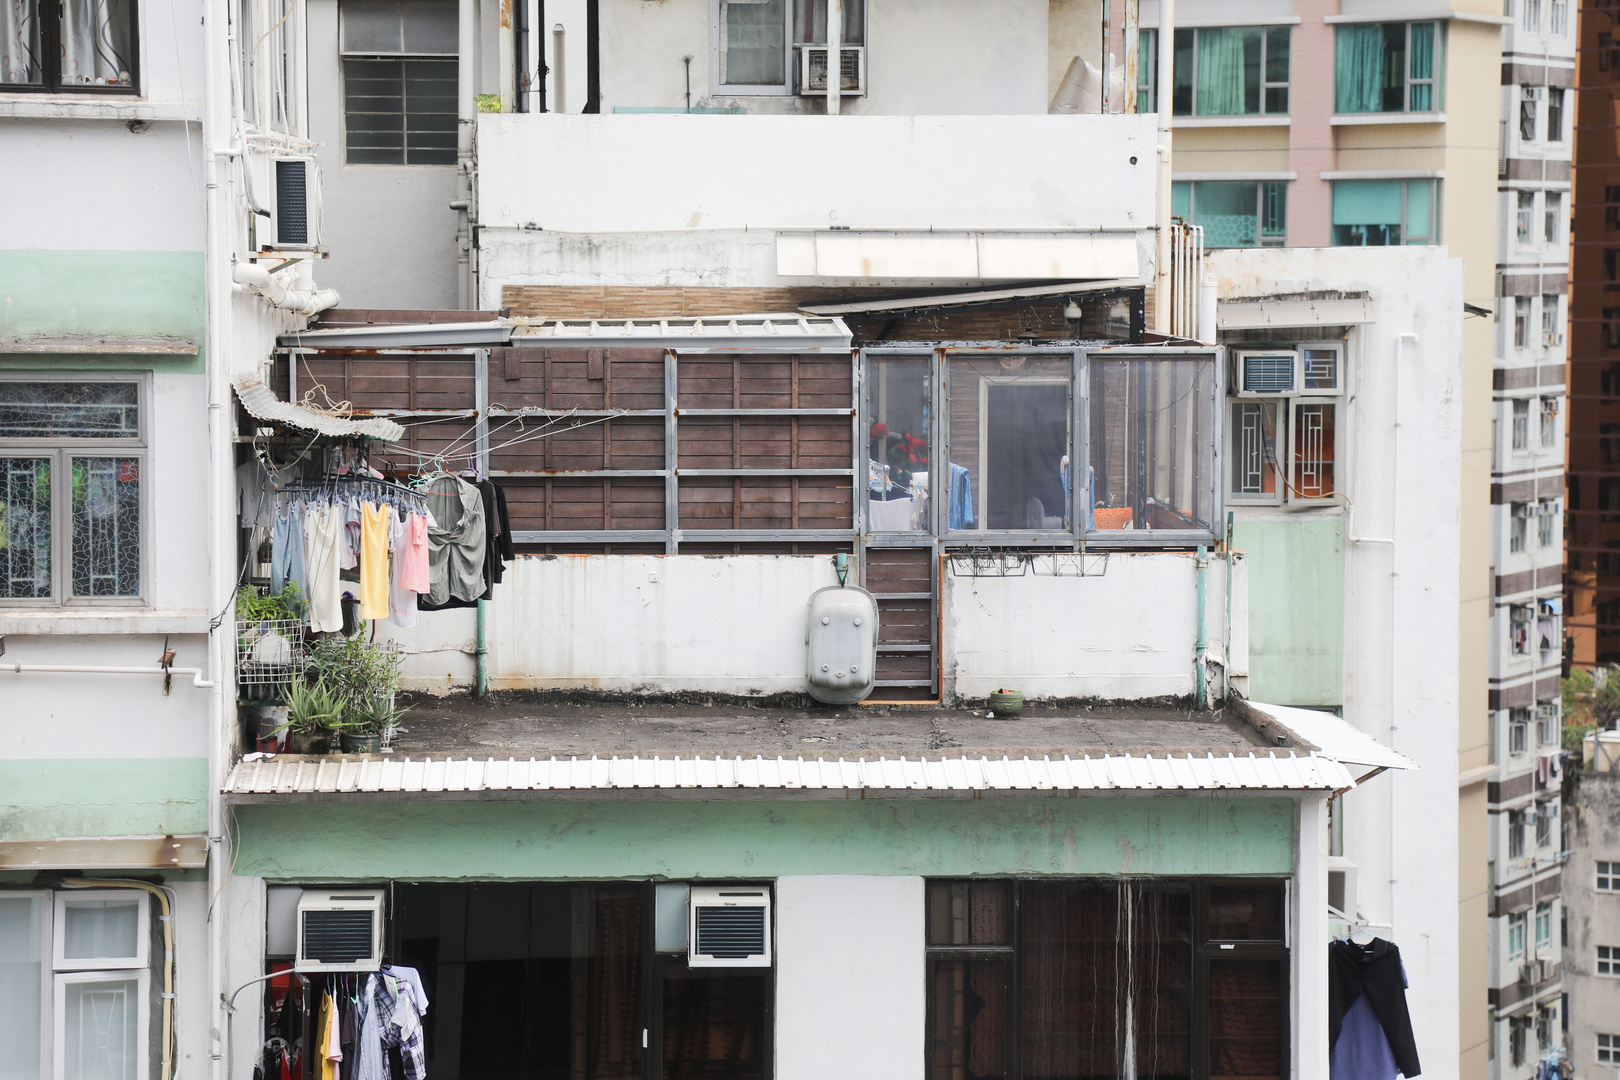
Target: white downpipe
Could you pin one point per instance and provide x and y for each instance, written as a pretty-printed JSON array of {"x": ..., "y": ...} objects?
[
  {"x": 1167, "y": 58},
  {"x": 297, "y": 301},
  {"x": 195, "y": 673},
  {"x": 466, "y": 119},
  {"x": 1133, "y": 55},
  {"x": 835, "y": 62},
  {"x": 1208, "y": 306},
  {"x": 508, "y": 58}
]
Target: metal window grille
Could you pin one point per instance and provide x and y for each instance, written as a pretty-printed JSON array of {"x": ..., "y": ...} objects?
[
  {"x": 1313, "y": 450},
  {"x": 1549, "y": 421},
  {"x": 399, "y": 111},
  {"x": 1521, "y": 424},
  {"x": 1520, "y": 618},
  {"x": 269, "y": 656}
]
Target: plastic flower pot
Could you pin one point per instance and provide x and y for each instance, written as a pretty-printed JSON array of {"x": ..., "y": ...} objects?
[
  {"x": 360, "y": 744},
  {"x": 1007, "y": 702}
]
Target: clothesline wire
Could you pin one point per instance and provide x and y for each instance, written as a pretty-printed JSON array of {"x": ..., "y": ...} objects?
[{"x": 544, "y": 431}]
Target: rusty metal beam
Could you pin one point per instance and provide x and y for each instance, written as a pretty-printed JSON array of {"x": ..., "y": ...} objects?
[{"x": 106, "y": 853}]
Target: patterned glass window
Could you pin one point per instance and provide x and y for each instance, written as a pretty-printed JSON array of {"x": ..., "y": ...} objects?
[
  {"x": 1608, "y": 960},
  {"x": 70, "y": 514},
  {"x": 1608, "y": 876}
]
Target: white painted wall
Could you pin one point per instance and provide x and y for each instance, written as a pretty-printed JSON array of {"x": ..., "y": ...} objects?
[
  {"x": 924, "y": 57},
  {"x": 651, "y": 174},
  {"x": 850, "y": 977},
  {"x": 389, "y": 228},
  {"x": 1401, "y": 829},
  {"x": 1127, "y": 634}
]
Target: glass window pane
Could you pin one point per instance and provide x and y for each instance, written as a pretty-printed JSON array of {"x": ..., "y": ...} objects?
[
  {"x": 753, "y": 37},
  {"x": 1229, "y": 213},
  {"x": 69, "y": 410},
  {"x": 1254, "y": 449},
  {"x": 1321, "y": 368},
  {"x": 1314, "y": 444},
  {"x": 106, "y": 552},
  {"x": 1422, "y": 51},
  {"x": 371, "y": 26},
  {"x": 1181, "y": 94},
  {"x": 21, "y": 62},
  {"x": 1419, "y": 211},
  {"x": 1151, "y": 426},
  {"x": 1009, "y": 442},
  {"x": 967, "y": 1018},
  {"x": 1274, "y": 210},
  {"x": 1245, "y": 1018},
  {"x": 25, "y": 527},
  {"x": 1245, "y": 913},
  {"x": 431, "y": 26},
  {"x": 21, "y": 959},
  {"x": 1277, "y": 40},
  {"x": 810, "y": 22},
  {"x": 714, "y": 1023},
  {"x": 101, "y": 929},
  {"x": 670, "y": 935},
  {"x": 969, "y": 913},
  {"x": 1366, "y": 213},
  {"x": 1181, "y": 199},
  {"x": 101, "y": 1026},
  {"x": 1358, "y": 68},
  {"x": 1096, "y": 956},
  {"x": 97, "y": 36},
  {"x": 897, "y": 444},
  {"x": 613, "y": 975},
  {"x": 1228, "y": 71}
]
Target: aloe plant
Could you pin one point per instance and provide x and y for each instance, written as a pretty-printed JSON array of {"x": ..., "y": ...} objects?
[{"x": 312, "y": 707}]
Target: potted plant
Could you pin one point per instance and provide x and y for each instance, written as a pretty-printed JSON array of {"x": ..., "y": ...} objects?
[
  {"x": 314, "y": 711},
  {"x": 268, "y": 641},
  {"x": 362, "y": 728}
]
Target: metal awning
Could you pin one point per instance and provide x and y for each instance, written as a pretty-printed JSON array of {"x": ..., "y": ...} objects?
[
  {"x": 262, "y": 404},
  {"x": 1336, "y": 738},
  {"x": 407, "y": 336},
  {"x": 969, "y": 298},
  {"x": 277, "y": 778},
  {"x": 1007, "y": 256},
  {"x": 1252, "y": 314},
  {"x": 783, "y": 330}
]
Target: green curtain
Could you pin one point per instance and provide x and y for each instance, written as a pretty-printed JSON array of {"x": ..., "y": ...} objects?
[
  {"x": 1367, "y": 202},
  {"x": 1422, "y": 67},
  {"x": 1358, "y": 56},
  {"x": 1221, "y": 70}
]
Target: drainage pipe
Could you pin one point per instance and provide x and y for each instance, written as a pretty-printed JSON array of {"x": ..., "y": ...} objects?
[
  {"x": 835, "y": 56},
  {"x": 1167, "y": 59},
  {"x": 298, "y": 301},
  {"x": 481, "y": 685},
  {"x": 1133, "y": 57},
  {"x": 195, "y": 673},
  {"x": 1226, "y": 646},
  {"x": 1201, "y": 660},
  {"x": 167, "y": 919}
]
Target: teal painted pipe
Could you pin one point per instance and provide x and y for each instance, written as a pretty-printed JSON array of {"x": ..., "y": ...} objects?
[
  {"x": 481, "y": 686},
  {"x": 1201, "y": 693}
]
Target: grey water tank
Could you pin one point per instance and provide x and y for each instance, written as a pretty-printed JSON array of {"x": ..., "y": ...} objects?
[{"x": 841, "y": 644}]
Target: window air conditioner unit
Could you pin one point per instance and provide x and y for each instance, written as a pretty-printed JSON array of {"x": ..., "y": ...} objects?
[
  {"x": 295, "y": 205},
  {"x": 1552, "y": 341},
  {"x": 340, "y": 930},
  {"x": 813, "y": 70},
  {"x": 730, "y": 926},
  {"x": 1262, "y": 374},
  {"x": 1342, "y": 875}
]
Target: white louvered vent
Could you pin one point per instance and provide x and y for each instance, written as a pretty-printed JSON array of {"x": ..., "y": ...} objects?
[
  {"x": 1266, "y": 372},
  {"x": 731, "y": 926},
  {"x": 340, "y": 930}
]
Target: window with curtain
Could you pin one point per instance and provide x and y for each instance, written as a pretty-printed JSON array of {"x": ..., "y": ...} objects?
[
  {"x": 399, "y": 81},
  {"x": 1555, "y": 114},
  {"x": 72, "y": 455},
  {"x": 1387, "y": 67},
  {"x": 1234, "y": 213},
  {"x": 753, "y": 42},
  {"x": 810, "y": 22},
  {"x": 1383, "y": 213},
  {"x": 1070, "y": 979},
  {"x": 71, "y": 46},
  {"x": 1231, "y": 71},
  {"x": 1523, "y": 228},
  {"x": 1147, "y": 71},
  {"x": 1552, "y": 214}
]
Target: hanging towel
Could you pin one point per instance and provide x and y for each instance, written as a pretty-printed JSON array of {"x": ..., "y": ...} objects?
[
  {"x": 287, "y": 553},
  {"x": 401, "y": 601},
  {"x": 456, "y": 543},
  {"x": 321, "y": 526},
  {"x": 414, "y": 560},
  {"x": 373, "y": 562},
  {"x": 961, "y": 498}
]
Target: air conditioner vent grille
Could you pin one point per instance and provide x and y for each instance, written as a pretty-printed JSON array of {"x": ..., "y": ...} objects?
[
  {"x": 1268, "y": 374},
  {"x": 337, "y": 937},
  {"x": 292, "y": 201},
  {"x": 731, "y": 933}
]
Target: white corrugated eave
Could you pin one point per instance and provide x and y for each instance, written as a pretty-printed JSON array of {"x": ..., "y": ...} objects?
[
  {"x": 262, "y": 404},
  {"x": 1336, "y": 737},
  {"x": 434, "y": 775}
]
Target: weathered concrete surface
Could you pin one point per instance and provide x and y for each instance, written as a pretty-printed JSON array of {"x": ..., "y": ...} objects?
[{"x": 566, "y": 728}]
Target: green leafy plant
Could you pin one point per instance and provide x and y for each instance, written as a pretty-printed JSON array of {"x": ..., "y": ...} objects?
[
  {"x": 488, "y": 102},
  {"x": 374, "y": 717},
  {"x": 255, "y": 605},
  {"x": 312, "y": 707}
]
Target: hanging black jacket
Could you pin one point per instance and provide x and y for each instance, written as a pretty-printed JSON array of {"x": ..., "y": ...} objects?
[{"x": 1373, "y": 969}]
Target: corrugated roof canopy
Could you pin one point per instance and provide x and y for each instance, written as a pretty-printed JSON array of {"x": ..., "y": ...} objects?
[
  {"x": 1336, "y": 738},
  {"x": 262, "y": 404},
  {"x": 278, "y": 778}
]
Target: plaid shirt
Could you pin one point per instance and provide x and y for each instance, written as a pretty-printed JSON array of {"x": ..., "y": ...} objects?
[{"x": 401, "y": 1023}]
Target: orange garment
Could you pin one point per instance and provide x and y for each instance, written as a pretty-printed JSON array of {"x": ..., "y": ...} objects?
[{"x": 373, "y": 561}]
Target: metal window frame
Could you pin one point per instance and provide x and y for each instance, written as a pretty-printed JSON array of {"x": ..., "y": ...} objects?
[
  {"x": 1261, "y": 237},
  {"x": 143, "y": 906},
  {"x": 143, "y": 1025},
  {"x": 47, "y": 975},
  {"x": 1263, "y": 84},
  {"x": 343, "y": 110},
  {"x": 61, "y": 451},
  {"x": 1281, "y": 407},
  {"x": 50, "y": 47},
  {"x": 717, "y": 53}
]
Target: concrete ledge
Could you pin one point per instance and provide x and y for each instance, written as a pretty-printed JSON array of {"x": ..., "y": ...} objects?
[
  {"x": 103, "y": 621},
  {"x": 98, "y": 107}
]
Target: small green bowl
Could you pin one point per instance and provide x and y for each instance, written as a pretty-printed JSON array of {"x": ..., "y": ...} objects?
[{"x": 1007, "y": 703}]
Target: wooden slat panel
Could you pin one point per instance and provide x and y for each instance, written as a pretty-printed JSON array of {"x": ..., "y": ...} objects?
[{"x": 578, "y": 504}]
